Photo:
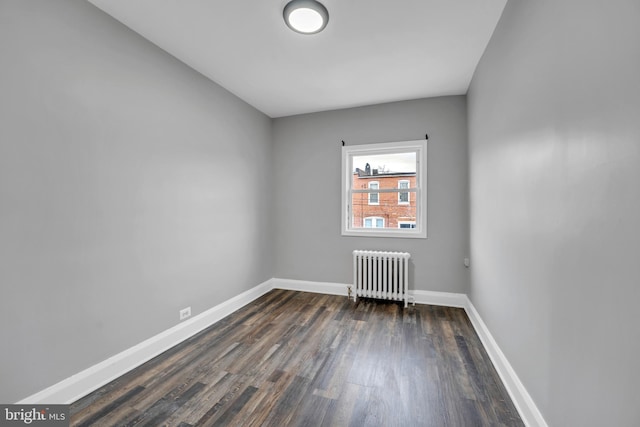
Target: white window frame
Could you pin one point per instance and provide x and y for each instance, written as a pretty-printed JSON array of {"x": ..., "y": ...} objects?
[
  {"x": 349, "y": 152},
  {"x": 400, "y": 202},
  {"x": 373, "y": 219},
  {"x": 376, "y": 193}
]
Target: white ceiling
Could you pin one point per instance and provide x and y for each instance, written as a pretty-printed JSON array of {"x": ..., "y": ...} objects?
[{"x": 372, "y": 51}]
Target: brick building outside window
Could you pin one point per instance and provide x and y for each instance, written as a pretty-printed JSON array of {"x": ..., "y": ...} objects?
[{"x": 383, "y": 210}]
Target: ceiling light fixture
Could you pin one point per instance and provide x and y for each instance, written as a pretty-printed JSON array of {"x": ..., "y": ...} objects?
[{"x": 305, "y": 16}]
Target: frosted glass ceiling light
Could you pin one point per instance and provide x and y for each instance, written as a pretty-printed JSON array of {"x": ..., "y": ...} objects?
[{"x": 305, "y": 16}]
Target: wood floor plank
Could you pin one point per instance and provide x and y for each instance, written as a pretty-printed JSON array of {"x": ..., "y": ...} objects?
[
  {"x": 236, "y": 407},
  {"x": 111, "y": 407},
  {"x": 302, "y": 359},
  {"x": 284, "y": 408},
  {"x": 164, "y": 411}
]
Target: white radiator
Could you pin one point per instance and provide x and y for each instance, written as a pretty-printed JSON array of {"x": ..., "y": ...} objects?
[{"x": 383, "y": 275}]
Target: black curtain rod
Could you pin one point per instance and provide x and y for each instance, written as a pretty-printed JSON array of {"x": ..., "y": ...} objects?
[{"x": 426, "y": 136}]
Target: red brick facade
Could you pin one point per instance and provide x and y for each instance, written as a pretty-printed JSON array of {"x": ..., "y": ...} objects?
[{"x": 390, "y": 211}]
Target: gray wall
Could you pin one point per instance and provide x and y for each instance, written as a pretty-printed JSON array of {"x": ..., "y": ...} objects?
[
  {"x": 130, "y": 187},
  {"x": 307, "y": 156},
  {"x": 554, "y": 127}
]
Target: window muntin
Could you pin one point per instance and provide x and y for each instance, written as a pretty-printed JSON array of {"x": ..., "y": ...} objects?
[{"x": 391, "y": 175}]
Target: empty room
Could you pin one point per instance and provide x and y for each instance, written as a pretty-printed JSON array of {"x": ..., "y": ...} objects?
[{"x": 319, "y": 213}]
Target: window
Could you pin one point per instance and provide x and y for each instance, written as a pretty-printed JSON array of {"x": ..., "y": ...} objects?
[
  {"x": 373, "y": 197},
  {"x": 403, "y": 196},
  {"x": 406, "y": 224},
  {"x": 373, "y": 222},
  {"x": 384, "y": 189}
]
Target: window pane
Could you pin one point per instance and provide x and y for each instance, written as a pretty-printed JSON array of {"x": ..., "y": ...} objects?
[
  {"x": 388, "y": 209},
  {"x": 404, "y": 196},
  {"x": 374, "y": 222},
  {"x": 373, "y": 197},
  {"x": 384, "y": 164},
  {"x": 383, "y": 171}
]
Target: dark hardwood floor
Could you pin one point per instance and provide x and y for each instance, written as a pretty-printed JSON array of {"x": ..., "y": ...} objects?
[{"x": 302, "y": 359}]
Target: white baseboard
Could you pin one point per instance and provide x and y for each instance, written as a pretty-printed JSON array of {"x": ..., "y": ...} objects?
[
  {"x": 447, "y": 299},
  {"x": 523, "y": 402},
  {"x": 307, "y": 286},
  {"x": 421, "y": 297},
  {"x": 83, "y": 383}
]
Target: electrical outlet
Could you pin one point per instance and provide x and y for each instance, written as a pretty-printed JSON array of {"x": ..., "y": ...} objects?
[
  {"x": 185, "y": 312},
  {"x": 466, "y": 262}
]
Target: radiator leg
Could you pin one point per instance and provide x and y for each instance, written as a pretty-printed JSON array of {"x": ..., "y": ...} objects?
[{"x": 351, "y": 294}]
